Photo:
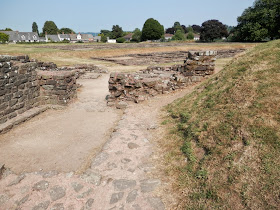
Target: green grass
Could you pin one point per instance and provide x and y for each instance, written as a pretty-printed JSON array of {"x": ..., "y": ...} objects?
[{"x": 234, "y": 117}]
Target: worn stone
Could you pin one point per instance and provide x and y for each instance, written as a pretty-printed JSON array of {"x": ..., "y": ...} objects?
[
  {"x": 123, "y": 184},
  {"x": 88, "y": 204},
  {"x": 92, "y": 177},
  {"x": 50, "y": 174},
  {"x": 57, "y": 192},
  {"x": 42, "y": 185},
  {"x": 156, "y": 203},
  {"x": 42, "y": 206},
  {"x": 100, "y": 158},
  {"x": 3, "y": 199},
  {"x": 22, "y": 201},
  {"x": 116, "y": 197},
  {"x": 86, "y": 193},
  {"x": 132, "y": 145},
  {"x": 149, "y": 185},
  {"x": 17, "y": 180},
  {"x": 77, "y": 186},
  {"x": 57, "y": 206},
  {"x": 121, "y": 105},
  {"x": 125, "y": 160},
  {"x": 132, "y": 196},
  {"x": 136, "y": 207}
]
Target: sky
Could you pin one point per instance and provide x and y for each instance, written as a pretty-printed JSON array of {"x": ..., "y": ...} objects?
[{"x": 94, "y": 15}]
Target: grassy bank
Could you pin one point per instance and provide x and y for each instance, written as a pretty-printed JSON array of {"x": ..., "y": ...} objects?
[{"x": 224, "y": 147}]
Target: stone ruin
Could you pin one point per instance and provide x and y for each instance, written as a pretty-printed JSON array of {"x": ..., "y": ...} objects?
[
  {"x": 152, "y": 81},
  {"x": 26, "y": 84}
]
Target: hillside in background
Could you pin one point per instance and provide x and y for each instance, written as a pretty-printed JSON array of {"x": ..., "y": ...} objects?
[{"x": 228, "y": 132}]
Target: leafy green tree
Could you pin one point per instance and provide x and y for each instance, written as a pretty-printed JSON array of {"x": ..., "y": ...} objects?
[
  {"x": 66, "y": 31},
  {"x": 177, "y": 26},
  {"x": 136, "y": 37},
  {"x": 152, "y": 30},
  {"x": 103, "y": 38},
  {"x": 117, "y": 32},
  {"x": 4, "y": 38},
  {"x": 213, "y": 29},
  {"x": 120, "y": 40},
  {"x": 50, "y": 28},
  {"x": 259, "y": 22},
  {"x": 196, "y": 29},
  {"x": 106, "y": 33},
  {"x": 8, "y": 29},
  {"x": 179, "y": 35},
  {"x": 190, "y": 36},
  {"x": 35, "y": 27}
]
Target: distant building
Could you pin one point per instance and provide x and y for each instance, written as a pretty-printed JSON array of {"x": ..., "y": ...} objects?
[
  {"x": 63, "y": 37},
  {"x": 97, "y": 38},
  {"x": 52, "y": 38},
  {"x": 81, "y": 37},
  {"x": 196, "y": 37},
  {"x": 128, "y": 37},
  {"x": 111, "y": 40},
  {"x": 168, "y": 36},
  {"x": 15, "y": 36}
]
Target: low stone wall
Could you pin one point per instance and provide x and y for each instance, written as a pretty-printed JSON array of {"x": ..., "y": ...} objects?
[
  {"x": 19, "y": 89},
  {"x": 25, "y": 84},
  {"x": 159, "y": 80},
  {"x": 57, "y": 87}
]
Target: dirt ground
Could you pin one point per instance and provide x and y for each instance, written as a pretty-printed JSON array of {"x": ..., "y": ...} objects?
[{"x": 51, "y": 140}]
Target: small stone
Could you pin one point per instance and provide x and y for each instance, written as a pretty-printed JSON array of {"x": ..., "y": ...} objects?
[
  {"x": 57, "y": 193},
  {"x": 17, "y": 180},
  {"x": 148, "y": 185},
  {"x": 146, "y": 140},
  {"x": 125, "y": 160},
  {"x": 42, "y": 206},
  {"x": 100, "y": 158},
  {"x": 123, "y": 184},
  {"x": 77, "y": 186},
  {"x": 121, "y": 105},
  {"x": 85, "y": 194},
  {"x": 58, "y": 206},
  {"x": 156, "y": 203},
  {"x": 89, "y": 204},
  {"x": 50, "y": 174},
  {"x": 22, "y": 201},
  {"x": 132, "y": 196},
  {"x": 111, "y": 166},
  {"x": 116, "y": 197},
  {"x": 152, "y": 127},
  {"x": 92, "y": 177},
  {"x": 42, "y": 185},
  {"x": 132, "y": 145},
  {"x": 136, "y": 207},
  {"x": 69, "y": 175},
  {"x": 3, "y": 199}
]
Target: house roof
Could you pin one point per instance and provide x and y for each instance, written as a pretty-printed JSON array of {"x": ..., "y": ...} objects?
[
  {"x": 21, "y": 36},
  {"x": 64, "y": 36},
  {"x": 128, "y": 36},
  {"x": 54, "y": 38},
  {"x": 168, "y": 35},
  {"x": 73, "y": 36},
  {"x": 197, "y": 36},
  {"x": 87, "y": 36}
]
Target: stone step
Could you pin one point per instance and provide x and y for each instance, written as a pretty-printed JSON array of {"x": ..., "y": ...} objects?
[{"x": 5, "y": 127}]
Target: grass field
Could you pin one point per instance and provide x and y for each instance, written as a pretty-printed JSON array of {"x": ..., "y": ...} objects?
[
  {"x": 69, "y": 54},
  {"x": 223, "y": 146}
]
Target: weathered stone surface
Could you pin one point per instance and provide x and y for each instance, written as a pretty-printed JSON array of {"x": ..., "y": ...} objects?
[
  {"x": 100, "y": 158},
  {"x": 121, "y": 105},
  {"x": 116, "y": 197},
  {"x": 42, "y": 206},
  {"x": 132, "y": 145},
  {"x": 156, "y": 203},
  {"x": 149, "y": 185},
  {"x": 17, "y": 180},
  {"x": 123, "y": 184},
  {"x": 50, "y": 174},
  {"x": 57, "y": 206},
  {"x": 125, "y": 160},
  {"x": 42, "y": 185},
  {"x": 136, "y": 207},
  {"x": 132, "y": 196},
  {"x": 86, "y": 193},
  {"x": 22, "y": 201},
  {"x": 92, "y": 177},
  {"x": 89, "y": 204},
  {"x": 3, "y": 199},
  {"x": 77, "y": 186},
  {"x": 57, "y": 192}
]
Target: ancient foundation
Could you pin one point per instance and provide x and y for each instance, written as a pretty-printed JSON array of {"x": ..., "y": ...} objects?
[{"x": 160, "y": 80}]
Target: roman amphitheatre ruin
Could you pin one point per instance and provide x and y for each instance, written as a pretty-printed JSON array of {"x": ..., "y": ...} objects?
[{"x": 79, "y": 123}]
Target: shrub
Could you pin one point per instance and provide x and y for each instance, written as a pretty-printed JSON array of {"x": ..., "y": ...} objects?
[
  {"x": 120, "y": 40},
  {"x": 4, "y": 38}
]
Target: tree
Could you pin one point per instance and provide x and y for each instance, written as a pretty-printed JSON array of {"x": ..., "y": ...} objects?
[
  {"x": 50, "y": 28},
  {"x": 177, "y": 26},
  {"x": 196, "y": 28},
  {"x": 152, "y": 30},
  {"x": 120, "y": 40},
  {"x": 103, "y": 38},
  {"x": 179, "y": 35},
  {"x": 4, "y": 38},
  {"x": 8, "y": 29},
  {"x": 213, "y": 29},
  {"x": 35, "y": 27},
  {"x": 190, "y": 36},
  {"x": 170, "y": 30},
  {"x": 117, "y": 32},
  {"x": 66, "y": 31},
  {"x": 106, "y": 33},
  {"x": 136, "y": 37},
  {"x": 259, "y": 22}
]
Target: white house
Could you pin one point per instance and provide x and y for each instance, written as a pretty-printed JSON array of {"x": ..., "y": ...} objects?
[
  {"x": 196, "y": 37},
  {"x": 111, "y": 40},
  {"x": 15, "y": 36}
]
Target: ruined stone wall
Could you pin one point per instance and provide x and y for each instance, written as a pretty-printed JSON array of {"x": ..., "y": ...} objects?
[
  {"x": 160, "y": 80},
  {"x": 57, "y": 87},
  {"x": 25, "y": 84},
  {"x": 19, "y": 89}
]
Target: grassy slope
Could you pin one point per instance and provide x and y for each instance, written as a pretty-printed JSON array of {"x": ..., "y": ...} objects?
[{"x": 229, "y": 129}]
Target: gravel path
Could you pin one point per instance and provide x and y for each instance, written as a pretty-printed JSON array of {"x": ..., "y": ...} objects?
[{"x": 119, "y": 177}]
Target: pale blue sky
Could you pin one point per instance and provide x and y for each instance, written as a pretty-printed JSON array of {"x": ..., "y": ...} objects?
[{"x": 93, "y": 15}]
